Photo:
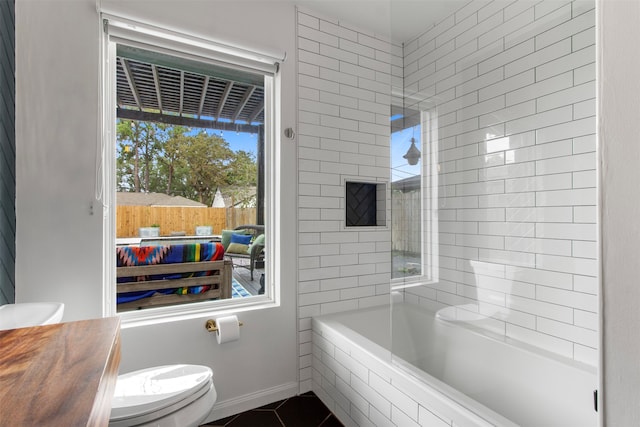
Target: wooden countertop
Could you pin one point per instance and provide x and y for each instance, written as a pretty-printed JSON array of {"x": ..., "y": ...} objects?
[{"x": 59, "y": 375}]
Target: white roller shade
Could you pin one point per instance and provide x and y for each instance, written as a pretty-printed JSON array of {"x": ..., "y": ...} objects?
[{"x": 145, "y": 36}]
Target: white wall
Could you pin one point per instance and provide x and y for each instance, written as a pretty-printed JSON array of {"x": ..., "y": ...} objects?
[
  {"x": 56, "y": 137},
  {"x": 619, "y": 109},
  {"x": 56, "y": 132},
  {"x": 513, "y": 88},
  {"x": 59, "y": 248},
  {"x": 344, "y": 96}
]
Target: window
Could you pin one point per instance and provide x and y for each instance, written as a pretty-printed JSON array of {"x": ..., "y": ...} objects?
[
  {"x": 191, "y": 123},
  {"x": 414, "y": 196}
]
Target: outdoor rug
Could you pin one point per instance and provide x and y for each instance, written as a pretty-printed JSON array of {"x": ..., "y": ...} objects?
[{"x": 237, "y": 290}]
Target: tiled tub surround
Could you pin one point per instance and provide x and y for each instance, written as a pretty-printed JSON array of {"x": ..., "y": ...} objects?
[
  {"x": 512, "y": 85},
  {"x": 500, "y": 383},
  {"x": 344, "y": 87}
]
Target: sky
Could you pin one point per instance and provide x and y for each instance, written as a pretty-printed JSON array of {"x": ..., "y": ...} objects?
[{"x": 239, "y": 140}]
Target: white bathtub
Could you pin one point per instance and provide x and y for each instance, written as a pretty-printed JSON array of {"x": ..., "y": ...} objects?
[{"x": 442, "y": 373}]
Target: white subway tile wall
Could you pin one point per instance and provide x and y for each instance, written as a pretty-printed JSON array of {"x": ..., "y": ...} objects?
[
  {"x": 515, "y": 86},
  {"x": 344, "y": 103}
]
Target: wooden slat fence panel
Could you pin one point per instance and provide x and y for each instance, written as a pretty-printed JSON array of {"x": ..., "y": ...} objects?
[
  {"x": 179, "y": 219},
  {"x": 406, "y": 221}
]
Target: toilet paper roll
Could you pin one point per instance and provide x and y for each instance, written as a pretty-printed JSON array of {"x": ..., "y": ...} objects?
[{"x": 228, "y": 329}]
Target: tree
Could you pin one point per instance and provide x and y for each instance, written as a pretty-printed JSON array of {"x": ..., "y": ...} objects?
[
  {"x": 139, "y": 144},
  {"x": 172, "y": 165},
  {"x": 178, "y": 160},
  {"x": 243, "y": 169},
  {"x": 243, "y": 173},
  {"x": 207, "y": 158}
]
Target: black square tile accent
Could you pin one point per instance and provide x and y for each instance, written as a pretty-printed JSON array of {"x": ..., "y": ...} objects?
[
  {"x": 305, "y": 410},
  {"x": 361, "y": 206},
  {"x": 331, "y": 421},
  {"x": 255, "y": 419},
  {"x": 222, "y": 421}
]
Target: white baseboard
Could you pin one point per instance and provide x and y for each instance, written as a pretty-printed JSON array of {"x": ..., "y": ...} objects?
[
  {"x": 305, "y": 386},
  {"x": 249, "y": 401}
]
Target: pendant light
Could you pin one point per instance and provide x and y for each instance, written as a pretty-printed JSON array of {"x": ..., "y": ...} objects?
[{"x": 413, "y": 154}]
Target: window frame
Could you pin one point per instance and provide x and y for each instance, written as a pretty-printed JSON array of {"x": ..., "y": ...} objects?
[
  {"x": 429, "y": 172},
  {"x": 127, "y": 32}
]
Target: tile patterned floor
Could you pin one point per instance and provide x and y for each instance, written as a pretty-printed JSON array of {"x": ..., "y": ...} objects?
[{"x": 305, "y": 410}]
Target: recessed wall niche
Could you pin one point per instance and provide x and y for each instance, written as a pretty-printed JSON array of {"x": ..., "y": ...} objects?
[{"x": 365, "y": 204}]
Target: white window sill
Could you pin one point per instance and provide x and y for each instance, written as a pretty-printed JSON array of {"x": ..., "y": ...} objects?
[{"x": 176, "y": 313}]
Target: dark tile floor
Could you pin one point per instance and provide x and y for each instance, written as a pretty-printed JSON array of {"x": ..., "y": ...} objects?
[{"x": 305, "y": 410}]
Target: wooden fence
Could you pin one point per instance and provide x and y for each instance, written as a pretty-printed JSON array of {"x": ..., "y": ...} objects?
[
  {"x": 176, "y": 219},
  {"x": 406, "y": 227}
]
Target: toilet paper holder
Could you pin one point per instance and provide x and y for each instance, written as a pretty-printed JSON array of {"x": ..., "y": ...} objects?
[{"x": 212, "y": 326}]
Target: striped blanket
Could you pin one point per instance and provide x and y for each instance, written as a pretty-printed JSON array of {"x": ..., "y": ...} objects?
[{"x": 170, "y": 254}]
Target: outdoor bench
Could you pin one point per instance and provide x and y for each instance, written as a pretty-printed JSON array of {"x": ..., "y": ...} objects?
[{"x": 153, "y": 276}]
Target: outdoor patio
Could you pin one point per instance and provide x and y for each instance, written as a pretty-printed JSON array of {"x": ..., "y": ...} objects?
[{"x": 243, "y": 276}]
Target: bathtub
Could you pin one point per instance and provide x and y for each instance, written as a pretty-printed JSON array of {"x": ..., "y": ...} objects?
[{"x": 442, "y": 373}]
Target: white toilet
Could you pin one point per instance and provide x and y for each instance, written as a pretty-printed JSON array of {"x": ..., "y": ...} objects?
[
  {"x": 172, "y": 395},
  {"x": 470, "y": 313}
]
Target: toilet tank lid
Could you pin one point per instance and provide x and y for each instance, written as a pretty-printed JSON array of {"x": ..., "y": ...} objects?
[{"x": 149, "y": 390}]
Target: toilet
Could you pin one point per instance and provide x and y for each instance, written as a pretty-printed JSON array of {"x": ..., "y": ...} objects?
[
  {"x": 470, "y": 313},
  {"x": 172, "y": 395}
]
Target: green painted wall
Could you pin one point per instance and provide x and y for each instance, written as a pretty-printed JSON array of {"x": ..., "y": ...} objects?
[{"x": 7, "y": 152}]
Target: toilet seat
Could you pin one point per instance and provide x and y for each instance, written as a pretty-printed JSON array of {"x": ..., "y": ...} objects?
[{"x": 148, "y": 394}]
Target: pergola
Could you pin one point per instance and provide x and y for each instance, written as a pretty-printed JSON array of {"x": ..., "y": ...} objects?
[{"x": 155, "y": 93}]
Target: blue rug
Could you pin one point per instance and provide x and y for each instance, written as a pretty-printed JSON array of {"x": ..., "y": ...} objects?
[{"x": 237, "y": 290}]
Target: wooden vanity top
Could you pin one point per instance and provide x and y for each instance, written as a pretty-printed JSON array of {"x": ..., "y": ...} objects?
[{"x": 59, "y": 375}]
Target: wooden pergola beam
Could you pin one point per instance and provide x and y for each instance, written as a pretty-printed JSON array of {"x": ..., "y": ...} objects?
[
  {"x": 181, "y": 92},
  {"x": 203, "y": 95},
  {"x": 132, "y": 84},
  {"x": 243, "y": 102},
  {"x": 223, "y": 99},
  {"x": 156, "y": 82},
  {"x": 186, "y": 121},
  {"x": 255, "y": 113}
]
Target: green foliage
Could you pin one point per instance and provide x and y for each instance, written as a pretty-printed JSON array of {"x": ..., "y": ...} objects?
[
  {"x": 139, "y": 145},
  {"x": 154, "y": 157},
  {"x": 243, "y": 169}
]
